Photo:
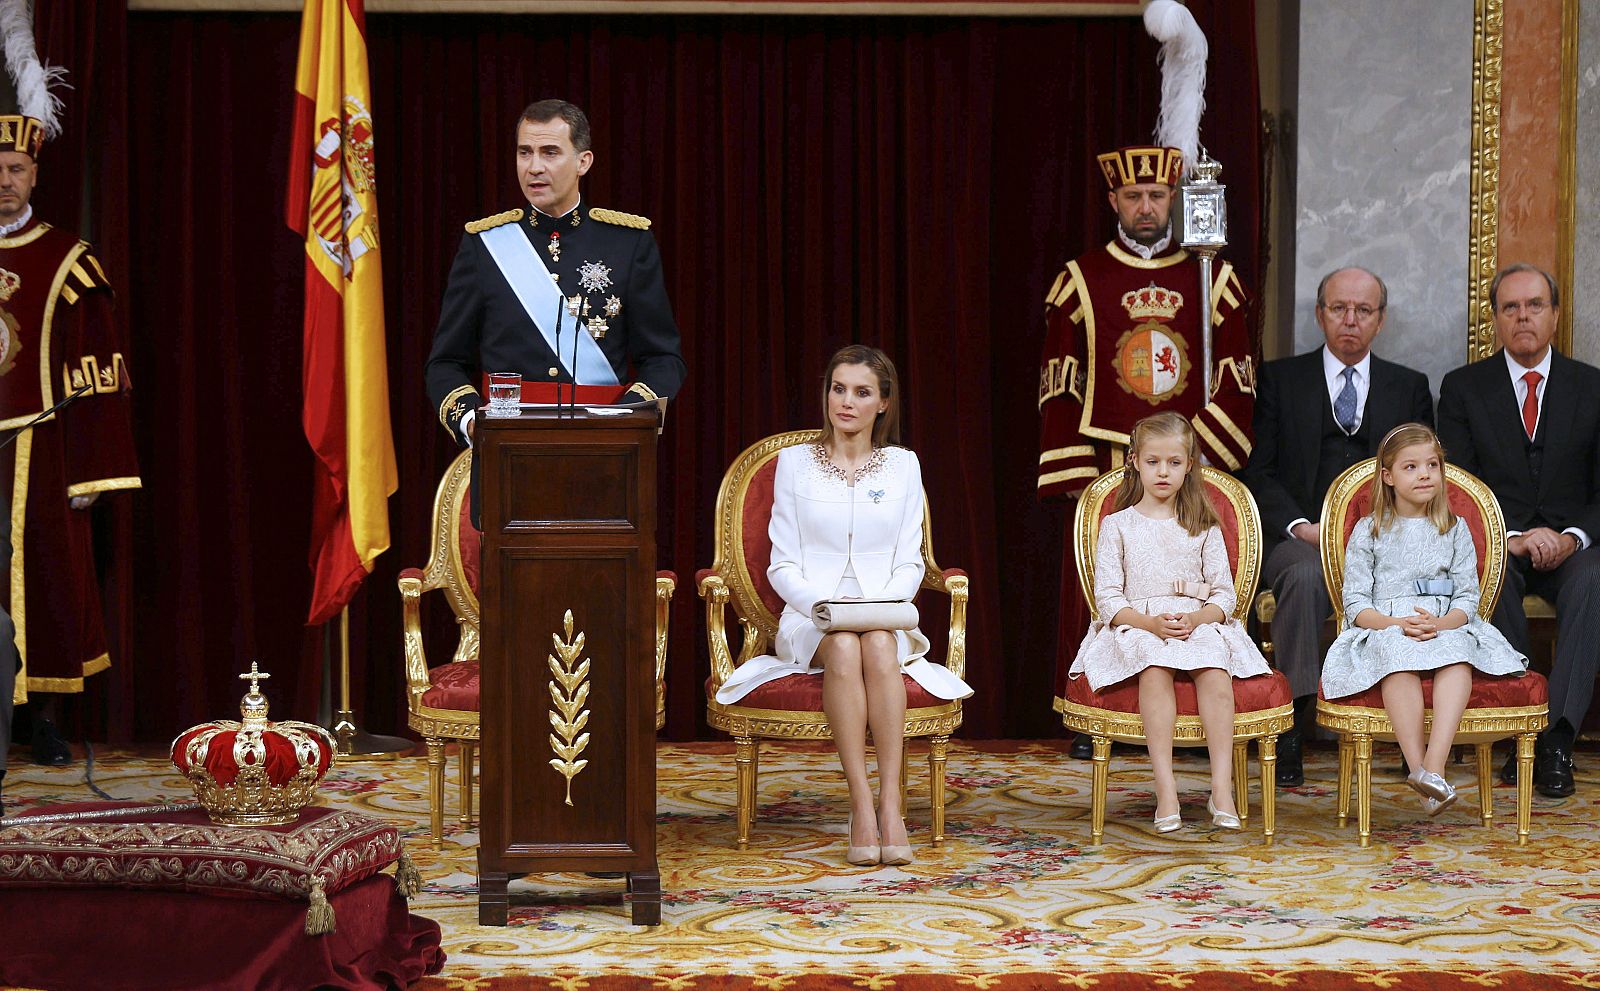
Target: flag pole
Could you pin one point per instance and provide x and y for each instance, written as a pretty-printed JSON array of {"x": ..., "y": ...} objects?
[{"x": 355, "y": 743}]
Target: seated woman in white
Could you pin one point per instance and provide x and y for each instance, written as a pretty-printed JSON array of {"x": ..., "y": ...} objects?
[{"x": 847, "y": 524}]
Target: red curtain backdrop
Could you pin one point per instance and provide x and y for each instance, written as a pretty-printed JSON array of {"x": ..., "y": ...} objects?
[{"x": 913, "y": 183}]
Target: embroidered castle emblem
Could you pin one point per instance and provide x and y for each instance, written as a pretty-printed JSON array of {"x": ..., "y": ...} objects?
[{"x": 1152, "y": 360}]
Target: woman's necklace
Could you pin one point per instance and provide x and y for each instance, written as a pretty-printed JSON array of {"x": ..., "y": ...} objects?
[{"x": 825, "y": 463}]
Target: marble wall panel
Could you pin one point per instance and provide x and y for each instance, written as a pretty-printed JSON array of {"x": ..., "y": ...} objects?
[
  {"x": 1530, "y": 134},
  {"x": 1385, "y": 109},
  {"x": 1583, "y": 300}
]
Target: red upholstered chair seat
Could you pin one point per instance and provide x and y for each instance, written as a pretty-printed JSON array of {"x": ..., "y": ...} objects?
[
  {"x": 453, "y": 686},
  {"x": 803, "y": 693},
  {"x": 1266, "y": 691},
  {"x": 1507, "y": 692}
]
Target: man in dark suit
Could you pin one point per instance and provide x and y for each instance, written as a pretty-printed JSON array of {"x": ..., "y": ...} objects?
[
  {"x": 1316, "y": 415},
  {"x": 1527, "y": 421}
]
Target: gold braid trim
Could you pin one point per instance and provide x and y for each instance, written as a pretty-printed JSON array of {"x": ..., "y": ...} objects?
[
  {"x": 450, "y": 410},
  {"x": 104, "y": 485},
  {"x": 640, "y": 389},
  {"x": 619, "y": 218},
  {"x": 490, "y": 223}
]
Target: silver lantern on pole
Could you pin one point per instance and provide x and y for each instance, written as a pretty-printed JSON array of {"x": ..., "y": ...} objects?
[{"x": 1203, "y": 230}]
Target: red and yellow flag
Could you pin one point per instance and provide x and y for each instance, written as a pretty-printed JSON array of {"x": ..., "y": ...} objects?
[{"x": 333, "y": 203}]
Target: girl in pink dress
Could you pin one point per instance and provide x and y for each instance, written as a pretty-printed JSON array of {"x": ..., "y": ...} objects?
[{"x": 1164, "y": 595}]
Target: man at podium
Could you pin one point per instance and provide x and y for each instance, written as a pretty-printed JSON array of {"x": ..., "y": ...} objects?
[{"x": 560, "y": 291}]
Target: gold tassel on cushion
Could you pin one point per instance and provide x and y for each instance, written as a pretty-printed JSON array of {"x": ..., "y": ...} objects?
[
  {"x": 407, "y": 879},
  {"x": 319, "y": 917}
]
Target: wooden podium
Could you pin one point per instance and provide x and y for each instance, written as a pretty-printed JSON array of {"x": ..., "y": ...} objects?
[{"x": 568, "y": 504}]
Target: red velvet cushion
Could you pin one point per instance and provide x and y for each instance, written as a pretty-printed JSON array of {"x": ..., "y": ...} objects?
[
  {"x": 757, "y": 544},
  {"x": 470, "y": 541},
  {"x": 186, "y": 851},
  {"x": 454, "y": 686},
  {"x": 1264, "y": 691},
  {"x": 1227, "y": 522},
  {"x": 1505, "y": 692},
  {"x": 803, "y": 693},
  {"x": 1461, "y": 504}
]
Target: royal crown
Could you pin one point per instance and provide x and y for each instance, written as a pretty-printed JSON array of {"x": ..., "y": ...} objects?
[
  {"x": 254, "y": 772},
  {"x": 1152, "y": 301},
  {"x": 10, "y": 282}
]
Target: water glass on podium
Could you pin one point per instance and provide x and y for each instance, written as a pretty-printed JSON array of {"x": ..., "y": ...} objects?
[{"x": 505, "y": 394}]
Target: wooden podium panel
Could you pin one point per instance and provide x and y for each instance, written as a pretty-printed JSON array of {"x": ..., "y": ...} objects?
[{"x": 568, "y": 505}]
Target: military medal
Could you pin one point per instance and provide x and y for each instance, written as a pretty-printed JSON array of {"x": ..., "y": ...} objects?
[
  {"x": 594, "y": 276},
  {"x": 555, "y": 246},
  {"x": 598, "y": 327},
  {"x": 574, "y": 303},
  {"x": 613, "y": 306}
]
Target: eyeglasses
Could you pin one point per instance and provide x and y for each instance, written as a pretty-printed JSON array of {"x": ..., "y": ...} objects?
[
  {"x": 1362, "y": 311},
  {"x": 1532, "y": 307}
]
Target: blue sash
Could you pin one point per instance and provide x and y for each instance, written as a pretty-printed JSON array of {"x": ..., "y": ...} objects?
[{"x": 530, "y": 281}]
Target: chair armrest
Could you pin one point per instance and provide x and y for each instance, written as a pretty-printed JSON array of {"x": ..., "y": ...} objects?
[
  {"x": 416, "y": 659},
  {"x": 715, "y": 591},
  {"x": 955, "y": 583},
  {"x": 666, "y": 584}
]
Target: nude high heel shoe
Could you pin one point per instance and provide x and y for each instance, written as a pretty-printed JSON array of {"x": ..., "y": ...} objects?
[
  {"x": 861, "y": 856},
  {"x": 896, "y": 855}
]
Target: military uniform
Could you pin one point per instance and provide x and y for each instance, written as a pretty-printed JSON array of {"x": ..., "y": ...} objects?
[
  {"x": 62, "y": 338},
  {"x": 1123, "y": 341},
  {"x": 608, "y": 271}
]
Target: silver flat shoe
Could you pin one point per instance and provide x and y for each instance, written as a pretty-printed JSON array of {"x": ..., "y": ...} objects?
[
  {"x": 1431, "y": 785},
  {"x": 1222, "y": 820},
  {"x": 1169, "y": 824}
]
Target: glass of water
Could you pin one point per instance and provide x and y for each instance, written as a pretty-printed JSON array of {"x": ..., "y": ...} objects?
[{"x": 505, "y": 394}]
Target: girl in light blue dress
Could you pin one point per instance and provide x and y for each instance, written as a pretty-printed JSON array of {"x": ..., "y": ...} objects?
[{"x": 1411, "y": 608}]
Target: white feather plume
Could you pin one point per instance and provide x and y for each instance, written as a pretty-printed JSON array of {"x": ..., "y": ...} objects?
[
  {"x": 1183, "y": 75},
  {"x": 33, "y": 79}
]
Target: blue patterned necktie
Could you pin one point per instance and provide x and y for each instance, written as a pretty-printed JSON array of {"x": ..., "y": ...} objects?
[{"x": 1344, "y": 404}]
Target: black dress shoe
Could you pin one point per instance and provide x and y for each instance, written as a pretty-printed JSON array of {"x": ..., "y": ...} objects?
[
  {"x": 1083, "y": 747},
  {"x": 49, "y": 748},
  {"x": 1552, "y": 770},
  {"x": 1291, "y": 766},
  {"x": 1508, "y": 770}
]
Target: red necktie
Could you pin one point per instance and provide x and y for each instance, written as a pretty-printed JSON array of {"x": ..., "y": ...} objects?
[{"x": 1530, "y": 403}]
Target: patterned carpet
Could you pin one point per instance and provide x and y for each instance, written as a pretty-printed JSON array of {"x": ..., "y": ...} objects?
[{"x": 1016, "y": 899}]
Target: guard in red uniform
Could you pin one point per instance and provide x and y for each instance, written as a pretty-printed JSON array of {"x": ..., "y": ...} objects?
[
  {"x": 1123, "y": 341},
  {"x": 59, "y": 339}
]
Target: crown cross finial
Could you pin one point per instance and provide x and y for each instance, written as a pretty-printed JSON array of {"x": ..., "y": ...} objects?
[{"x": 254, "y": 676}]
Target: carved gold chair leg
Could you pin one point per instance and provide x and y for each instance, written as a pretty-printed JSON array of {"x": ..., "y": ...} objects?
[
  {"x": 468, "y": 752},
  {"x": 1363, "y": 746},
  {"x": 1485, "y": 753},
  {"x": 1346, "y": 767},
  {"x": 1267, "y": 750},
  {"x": 436, "y": 791},
  {"x": 746, "y": 753},
  {"x": 1097, "y": 798},
  {"x": 1524, "y": 785},
  {"x": 938, "y": 752},
  {"x": 1241, "y": 780},
  {"x": 905, "y": 770}
]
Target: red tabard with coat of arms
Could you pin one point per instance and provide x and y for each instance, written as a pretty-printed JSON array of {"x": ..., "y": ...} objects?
[{"x": 1122, "y": 341}]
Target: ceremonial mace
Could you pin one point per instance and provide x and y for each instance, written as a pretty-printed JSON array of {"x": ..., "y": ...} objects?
[{"x": 1203, "y": 229}]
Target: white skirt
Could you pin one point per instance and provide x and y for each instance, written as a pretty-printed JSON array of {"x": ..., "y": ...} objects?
[{"x": 797, "y": 642}]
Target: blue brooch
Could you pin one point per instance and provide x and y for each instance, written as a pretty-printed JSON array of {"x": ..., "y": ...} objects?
[{"x": 876, "y": 495}]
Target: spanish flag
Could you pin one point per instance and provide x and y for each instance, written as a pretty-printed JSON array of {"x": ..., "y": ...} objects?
[{"x": 333, "y": 203}]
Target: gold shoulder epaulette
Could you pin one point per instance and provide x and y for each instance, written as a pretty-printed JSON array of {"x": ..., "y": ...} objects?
[
  {"x": 489, "y": 223},
  {"x": 620, "y": 219}
]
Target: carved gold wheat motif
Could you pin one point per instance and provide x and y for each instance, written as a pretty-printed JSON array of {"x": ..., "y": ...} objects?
[{"x": 568, "y": 692}]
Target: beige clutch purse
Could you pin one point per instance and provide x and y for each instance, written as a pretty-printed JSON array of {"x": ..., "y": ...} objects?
[{"x": 861, "y": 615}]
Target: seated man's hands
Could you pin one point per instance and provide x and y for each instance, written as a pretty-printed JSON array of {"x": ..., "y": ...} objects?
[{"x": 1546, "y": 549}]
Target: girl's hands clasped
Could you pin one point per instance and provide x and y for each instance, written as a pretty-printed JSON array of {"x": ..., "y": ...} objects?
[{"x": 1423, "y": 626}]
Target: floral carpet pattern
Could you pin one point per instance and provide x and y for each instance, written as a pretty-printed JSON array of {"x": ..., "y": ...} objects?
[{"x": 1017, "y": 898}]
